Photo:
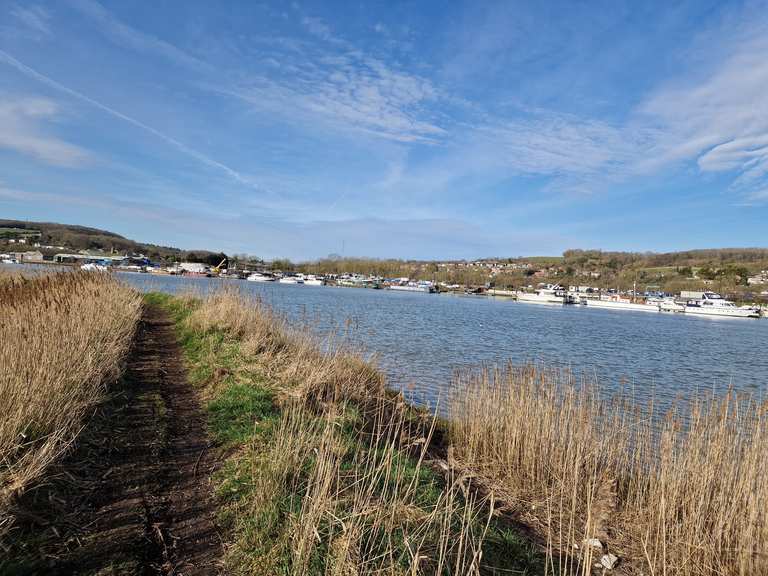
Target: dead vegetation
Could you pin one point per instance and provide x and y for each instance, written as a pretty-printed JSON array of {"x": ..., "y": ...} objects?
[
  {"x": 333, "y": 481},
  {"x": 63, "y": 337},
  {"x": 338, "y": 468},
  {"x": 679, "y": 493}
]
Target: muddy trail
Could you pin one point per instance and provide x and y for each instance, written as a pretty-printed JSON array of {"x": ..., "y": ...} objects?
[{"x": 134, "y": 496}]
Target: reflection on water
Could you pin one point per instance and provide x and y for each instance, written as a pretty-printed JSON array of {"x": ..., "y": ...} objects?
[{"x": 420, "y": 340}]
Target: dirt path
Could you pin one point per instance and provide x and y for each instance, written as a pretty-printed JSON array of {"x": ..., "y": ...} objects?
[{"x": 135, "y": 496}]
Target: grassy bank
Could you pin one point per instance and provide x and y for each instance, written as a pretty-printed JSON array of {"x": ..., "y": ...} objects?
[
  {"x": 62, "y": 338},
  {"x": 326, "y": 472}
]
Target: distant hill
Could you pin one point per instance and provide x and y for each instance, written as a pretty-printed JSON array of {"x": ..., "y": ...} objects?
[{"x": 76, "y": 238}]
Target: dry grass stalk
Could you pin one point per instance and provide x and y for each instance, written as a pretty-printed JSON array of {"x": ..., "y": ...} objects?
[
  {"x": 341, "y": 444},
  {"x": 365, "y": 502},
  {"x": 680, "y": 494},
  {"x": 62, "y": 337},
  {"x": 305, "y": 366}
]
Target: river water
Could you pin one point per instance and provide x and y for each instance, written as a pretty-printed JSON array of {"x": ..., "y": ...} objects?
[{"x": 421, "y": 340}]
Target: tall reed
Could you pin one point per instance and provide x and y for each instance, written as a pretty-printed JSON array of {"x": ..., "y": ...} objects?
[
  {"x": 303, "y": 365},
  {"x": 679, "y": 493},
  {"x": 63, "y": 337},
  {"x": 339, "y": 486},
  {"x": 364, "y": 508}
]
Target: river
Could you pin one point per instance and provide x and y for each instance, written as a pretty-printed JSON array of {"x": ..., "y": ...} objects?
[{"x": 421, "y": 340}]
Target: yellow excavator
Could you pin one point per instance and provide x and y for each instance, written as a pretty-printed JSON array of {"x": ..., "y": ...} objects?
[{"x": 216, "y": 270}]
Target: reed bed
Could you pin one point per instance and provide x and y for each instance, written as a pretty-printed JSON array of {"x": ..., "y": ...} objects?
[
  {"x": 596, "y": 477},
  {"x": 63, "y": 337},
  {"x": 339, "y": 501},
  {"x": 683, "y": 492}
]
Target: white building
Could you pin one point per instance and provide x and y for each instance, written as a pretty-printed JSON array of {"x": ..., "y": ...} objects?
[{"x": 194, "y": 267}]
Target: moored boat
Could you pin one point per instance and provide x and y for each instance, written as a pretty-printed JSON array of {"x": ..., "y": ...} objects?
[
  {"x": 669, "y": 305},
  {"x": 291, "y": 280},
  {"x": 617, "y": 302},
  {"x": 421, "y": 286},
  {"x": 551, "y": 294},
  {"x": 712, "y": 304},
  {"x": 259, "y": 277}
]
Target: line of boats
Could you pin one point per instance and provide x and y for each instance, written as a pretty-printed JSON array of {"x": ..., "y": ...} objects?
[
  {"x": 309, "y": 280},
  {"x": 709, "y": 304},
  {"x": 399, "y": 284}
]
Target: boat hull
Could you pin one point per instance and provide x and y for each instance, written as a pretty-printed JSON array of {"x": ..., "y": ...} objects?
[
  {"x": 539, "y": 298},
  {"x": 425, "y": 289},
  {"x": 622, "y": 305},
  {"x": 722, "y": 313}
]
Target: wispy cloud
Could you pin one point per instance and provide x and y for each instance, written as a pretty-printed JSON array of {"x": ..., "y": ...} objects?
[
  {"x": 347, "y": 91},
  {"x": 180, "y": 146},
  {"x": 121, "y": 34},
  {"x": 720, "y": 119},
  {"x": 34, "y": 18},
  {"x": 367, "y": 97},
  {"x": 757, "y": 197},
  {"x": 22, "y": 118}
]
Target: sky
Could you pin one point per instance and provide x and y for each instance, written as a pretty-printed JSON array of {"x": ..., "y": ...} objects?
[{"x": 415, "y": 129}]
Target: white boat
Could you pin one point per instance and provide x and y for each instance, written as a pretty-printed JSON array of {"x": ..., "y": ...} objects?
[
  {"x": 551, "y": 294},
  {"x": 91, "y": 267},
  {"x": 712, "y": 304},
  {"x": 291, "y": 280},
  {"x": 500, "y": 292},
  {"x": 259, "y": 277},
  {"x": 616, "y": 302},
  {"x": 669, "y": 305},
  {"x": 422, "y": 286},
  {"x": 313, "y": 281}
]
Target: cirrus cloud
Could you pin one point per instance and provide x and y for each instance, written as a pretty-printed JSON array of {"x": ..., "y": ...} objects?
[{"x": 22, "y": 120}]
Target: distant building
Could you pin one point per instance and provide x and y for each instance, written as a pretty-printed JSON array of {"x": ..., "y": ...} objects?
[
  {"x": 33, "y": 256},
  {"x": 194, "y": 267},
  {"x": 85, "y": 258},
  {"x": 761, "y": 278}
]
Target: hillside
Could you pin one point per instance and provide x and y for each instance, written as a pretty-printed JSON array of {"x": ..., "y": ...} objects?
[{"x": 75, "y": 238}]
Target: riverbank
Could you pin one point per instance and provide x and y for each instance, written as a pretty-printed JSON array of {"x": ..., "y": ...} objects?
[
  {"x": 317, "y": 468},
  {"x": 328, "y": 472},
  {"x": 574, "y": 465}
]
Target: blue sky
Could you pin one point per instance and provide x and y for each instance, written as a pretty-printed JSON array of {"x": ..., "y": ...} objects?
[{"x": 402, "y": 129}]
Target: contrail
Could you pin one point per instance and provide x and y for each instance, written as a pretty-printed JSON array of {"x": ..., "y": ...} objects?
[{"x": 31, "y": 72}]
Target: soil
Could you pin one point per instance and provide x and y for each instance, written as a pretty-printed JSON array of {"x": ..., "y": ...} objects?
[{"x": 134, "y": 496}]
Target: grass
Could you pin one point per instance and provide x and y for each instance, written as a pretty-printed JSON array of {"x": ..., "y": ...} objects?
[
  {"x": 337, "y": 476},
  {"x": 327, "y": 471},
  {"x": 63, "y": 338}
]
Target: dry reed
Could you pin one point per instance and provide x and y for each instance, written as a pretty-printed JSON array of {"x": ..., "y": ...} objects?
[
  {"x": 351, "y": 454},
  {"x": 303, "y": 365},
  {"x": 681, "y": 493},
  {"x": 62, "y": 338},
  {"x": 364, "y": 507}
]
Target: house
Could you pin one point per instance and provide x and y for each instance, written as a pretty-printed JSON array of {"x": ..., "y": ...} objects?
[
  {"x": 194, "y": 267},
  {"x": 761, "y": 278},
  {"x": 32, "y": 256}
]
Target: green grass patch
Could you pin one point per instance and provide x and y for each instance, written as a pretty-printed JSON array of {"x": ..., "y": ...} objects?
[{"x": 239, "y": 412}]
